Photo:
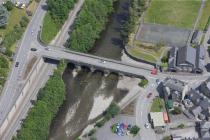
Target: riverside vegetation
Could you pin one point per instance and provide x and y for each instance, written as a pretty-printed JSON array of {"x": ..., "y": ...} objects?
[{"x": 37, "y": 124}]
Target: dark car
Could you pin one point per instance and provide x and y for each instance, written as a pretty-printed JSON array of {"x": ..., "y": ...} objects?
[
  {"x": 149, "y": 95},
  {"x": 208, "y": 41},
  {"x": 16, "y": 64},
  {"x": 33, "y": 49}
]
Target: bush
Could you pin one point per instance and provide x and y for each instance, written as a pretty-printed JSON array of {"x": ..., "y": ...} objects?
[
  {"x": 9, "y": 5},
  {"x": 134, "y": 130},
  {"x": 112, "y": 111},
  {"x": 100, "y": 123},
  {"x": 143, "y": 82},
  {"x": 181, "y": 126},
  {"x": 177, "y": 110},
  {"x": 91, "y": 132},
  {"x": 24, "y": 21},
  {"x": 167, "y": 138}
]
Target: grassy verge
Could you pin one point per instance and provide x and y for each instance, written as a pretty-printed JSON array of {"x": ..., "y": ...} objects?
[
  {"x": 205, "y": 16},
  {"x": 173, "y": 12},
  {"x": 157, "y": 105},
  {"x": 51, "y": 97},
  {"x": 50, "y": 29}
]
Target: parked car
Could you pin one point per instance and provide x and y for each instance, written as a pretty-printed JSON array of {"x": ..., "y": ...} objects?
[
  {"x": 208, "y": 41},
  {"x": 33, "y": 49},
  {"x": 48, "y": 49},
  {"x": 147, "y": 125},
  {"x": 16, "y": 64},
  {"x": 154, "y": 71},
  {"x": 149, "y": 95}
]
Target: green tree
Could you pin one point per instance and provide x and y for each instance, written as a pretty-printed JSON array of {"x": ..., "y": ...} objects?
[
  {"x": 134, "y": 130},
  {"x": 9, "y": 5},
  {"x": 4, "y": 15},
  {"x": 177, "y": 110}
]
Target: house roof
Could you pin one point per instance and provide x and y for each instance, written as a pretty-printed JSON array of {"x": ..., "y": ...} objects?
[
  {"x": 174, "y": 84},
  {"x": 157, "y": 119},
  {"x": 186, "y": 55}
]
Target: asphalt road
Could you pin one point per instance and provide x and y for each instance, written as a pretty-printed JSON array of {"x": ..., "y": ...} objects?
[
  {"x": 14, "y": 82},
  {"x": 10, "y": 91}
]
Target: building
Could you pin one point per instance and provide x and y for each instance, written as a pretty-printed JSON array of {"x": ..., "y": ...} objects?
[
  {"x": 157, "y": 120},
  {"x": 204, "y": 130},
  {"x": 174, "y": 90},
  {"x": 201, "y": 108},
  {"x": 196, "y": 38},
  {"x": 205, "y": 88},
  {"x": 187, "y": 59}
]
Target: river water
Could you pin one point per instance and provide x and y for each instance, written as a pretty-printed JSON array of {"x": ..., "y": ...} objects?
[{"x": 88, "y": 94}]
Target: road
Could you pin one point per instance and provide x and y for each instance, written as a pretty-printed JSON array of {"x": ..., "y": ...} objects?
[
  {"x": 14, "y": 81},
  {"x": 143, "y": 108},
  {"x": 10, "y": 90}
]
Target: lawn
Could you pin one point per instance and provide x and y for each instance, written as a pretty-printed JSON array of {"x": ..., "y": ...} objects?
[
  {"x": 49, "y": 29},
  {"x": 178, "y": 13},
  {"x": 205, "y": 15},
  {"x": 15, "y": 16},
  {"x": 157, "y": 105},
  {"x": 146, "y": 52}
]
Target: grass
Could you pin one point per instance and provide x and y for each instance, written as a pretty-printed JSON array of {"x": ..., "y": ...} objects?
[
  {"x": 15, "y": 16},
  {"x": 49, "y": 29},
  {"x": 146, "y": 52},
  {"x": 33, "y": 6},
  {"x": 178, "y": 13},
  {"x": 136, "y": 52},
  {"x": 157, "y": 105},
  {"x": 205, "y": 15}
]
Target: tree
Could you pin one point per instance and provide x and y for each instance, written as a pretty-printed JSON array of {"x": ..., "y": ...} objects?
[
  {"x": 4, "y": 15},
  {"x": 9, "y": 5},
  {"x": 177, "y": 110},
  {"x": 112, "y": 111},
  {"x": 134, "y": 130}
]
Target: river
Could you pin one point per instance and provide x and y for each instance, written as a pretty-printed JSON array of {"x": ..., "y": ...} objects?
[{"x": 88, "y": 94}]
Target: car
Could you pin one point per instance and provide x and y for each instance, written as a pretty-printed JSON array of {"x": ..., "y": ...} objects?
[
  {"x": 208, "y": 41},
  {"x": 158, "y": 81},
  {"x": 147, "y": 125},
  {"x": 154, "y": 71},
  {"x": 33, "y": 49},
  {"x": 103, "y": 61},
  {"x": 149, "y": 95},
  {"x": 48, "y": 49},
  {"x": 16, "y": 64}
]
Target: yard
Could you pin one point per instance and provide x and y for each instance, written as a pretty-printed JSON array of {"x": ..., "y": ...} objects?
[
  {"x": 15, "y": 16},
  {"x": 173, "y": 12},
  {"x": 157, "y": 105},
  {"x": 205, "y": 15}
]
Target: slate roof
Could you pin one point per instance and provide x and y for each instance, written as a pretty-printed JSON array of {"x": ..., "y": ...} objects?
[{"x": 186, "y": 55}]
